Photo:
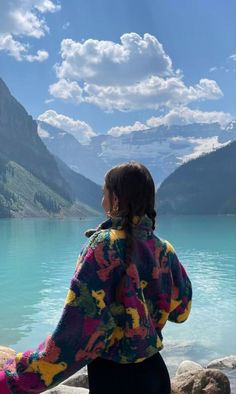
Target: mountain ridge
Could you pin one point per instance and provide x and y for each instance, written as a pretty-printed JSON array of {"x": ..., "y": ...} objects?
[
  {"x": 161, "y": 149},
  {"x": 205, "y": 185},
  {"x": 25, "y": 160}
]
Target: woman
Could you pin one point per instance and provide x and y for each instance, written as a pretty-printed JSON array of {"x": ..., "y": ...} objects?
[{"x": 126, "y": 285}]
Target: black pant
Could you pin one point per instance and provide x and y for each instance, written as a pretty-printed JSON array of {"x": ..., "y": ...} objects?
[{"x": 148, "y": 377}]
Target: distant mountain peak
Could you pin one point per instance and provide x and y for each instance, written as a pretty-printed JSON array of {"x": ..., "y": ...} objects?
[
  {"x": 160, "y": 148},
  {"x": 46, "y": 130}
]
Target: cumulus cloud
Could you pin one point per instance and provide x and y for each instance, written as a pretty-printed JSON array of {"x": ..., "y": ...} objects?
[
  {"x": 67, "y": 90},
  {"x": 151, "y": 93},
  {"x": 119, "y": 130},
  {"x": 184, "y": 116},
  {"x": 176, "y": 116},
  {"x": 46, "y": 5},
  {"x": 131, "y": 75},
  {"x": 22, "y": 18},
  {"x": 12, "y": 47},
  {"x": 40, "y": 57},
  {"x": 79, "y": 129},
  {"x": 108, "y": 63}
]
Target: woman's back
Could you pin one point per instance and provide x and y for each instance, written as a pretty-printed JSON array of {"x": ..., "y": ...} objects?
[{"x": 141, "y": 295}]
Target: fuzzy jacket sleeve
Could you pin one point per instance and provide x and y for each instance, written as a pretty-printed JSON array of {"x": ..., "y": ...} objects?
[
  {"x": 80, "y": 336},
  {"x": 181, "y": 294}
]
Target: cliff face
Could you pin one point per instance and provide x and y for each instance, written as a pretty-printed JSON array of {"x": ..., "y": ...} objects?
[
  {"x": 31, "y": 183},
  {"x": 19, "y": 142},
  {"x": 206, "y": 185}
]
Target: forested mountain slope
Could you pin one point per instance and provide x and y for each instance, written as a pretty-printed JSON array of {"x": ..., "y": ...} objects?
[{"x": 206, "y": 185}]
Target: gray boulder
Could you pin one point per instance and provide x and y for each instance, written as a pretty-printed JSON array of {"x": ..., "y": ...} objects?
[
  {"x": 188, "y": 366},
  {"x": 225, "y": 362},
  {"x": 79, "y": 379},
  {"x": 62, "y": 389},
  {"x": 205, "y": 381},
  {"x": 75, "y": 384}
]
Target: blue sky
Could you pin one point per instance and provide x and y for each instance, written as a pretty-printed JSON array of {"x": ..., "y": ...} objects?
[{"x": 98, "y": 66}]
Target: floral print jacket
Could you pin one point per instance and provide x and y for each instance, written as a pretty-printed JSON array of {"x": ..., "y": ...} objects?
[{"x": 111, "y": 310}]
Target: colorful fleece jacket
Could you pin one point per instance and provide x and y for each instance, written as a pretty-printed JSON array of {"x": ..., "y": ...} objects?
[{"x": 101, "y": 318}]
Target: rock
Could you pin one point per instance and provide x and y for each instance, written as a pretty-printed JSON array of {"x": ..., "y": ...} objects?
[
  {"x": 77, "y": 383},
  {"x": 188, "y": 366},
  {"x": 206, "y": 381},
  {"x": 79, "y": 379},
  {"x": 62, "y": 389},
  {"x": 225, "y": 362},
  {"x": 5, "y": 354}
]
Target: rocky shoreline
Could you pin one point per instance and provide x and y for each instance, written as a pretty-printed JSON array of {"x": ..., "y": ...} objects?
[{"x": 218, "y": 377}]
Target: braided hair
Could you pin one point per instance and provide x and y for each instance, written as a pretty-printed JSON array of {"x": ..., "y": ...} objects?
[{"x": 134, "y": 188}]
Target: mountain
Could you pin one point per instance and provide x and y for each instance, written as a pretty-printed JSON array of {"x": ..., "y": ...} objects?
[
  {"x": 24, "y": 195},
  {"x": 206, "y": 185},
  {"x": 81, "y": 188},
  {"x": 19, "y": 142},
  {"x": 161, "y": 149},
  {"x": 78, "y": 157},
  {"x": 31, "y": 183}
]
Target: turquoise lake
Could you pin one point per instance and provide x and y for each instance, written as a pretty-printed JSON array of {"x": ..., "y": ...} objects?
[{"x": 37, "y": 260}]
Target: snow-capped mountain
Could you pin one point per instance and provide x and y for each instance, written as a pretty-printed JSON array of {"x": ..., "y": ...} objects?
[
  {"x": 161, "y": 149},
  {"x": 78, "y": 157}
]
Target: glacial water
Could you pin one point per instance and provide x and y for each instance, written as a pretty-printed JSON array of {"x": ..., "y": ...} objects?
[{"x": 37, "y": 260}]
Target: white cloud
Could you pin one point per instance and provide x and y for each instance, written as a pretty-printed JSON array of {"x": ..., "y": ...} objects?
[
  {"x": 176, "y": 116},
  {"x": 79, "y": 129},
  {"x": 40, "y": 57},
  {"x": 19, "y": 50},
  {"x": 12, "y": 47},
  {"x": 49, "y": 101},
  {"x": 46, "y": 6},
  {"x": 233, "y": 57},
  {"x": 67, "y": 90},
  {"x": 108, "y": 63},
  {"x": 43, "y": 133},
  {"x": 22, "y": 18},
  {"x": 66, "y": 26},
  {"x": 212, "y": 69},
  {"x": 151, "y": 93},
  {"x": 131, "y": 75},
  {"x": 229, "y": 65},
  {"x": 184, "y": 116},
  {"x": 120, "y": 130}
]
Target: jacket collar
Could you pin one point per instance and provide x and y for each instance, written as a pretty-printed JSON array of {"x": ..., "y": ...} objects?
[{"x": 143, "y": 223}]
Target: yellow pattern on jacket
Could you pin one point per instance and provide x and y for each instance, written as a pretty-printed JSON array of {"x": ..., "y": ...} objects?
[{"x": 46, "y": 370}]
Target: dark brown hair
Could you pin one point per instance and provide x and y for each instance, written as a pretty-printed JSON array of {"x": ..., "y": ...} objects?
[{"x": 134, "y": 187}]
